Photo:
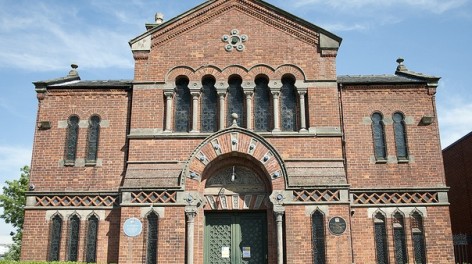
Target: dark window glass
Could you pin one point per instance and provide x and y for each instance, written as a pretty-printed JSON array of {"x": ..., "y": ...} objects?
[
  {"x": 74, "y": 225},
  {"x": 400, "y": 135},
  {"x": 152, "y": 238},
  {"x": 71, "y": 138},
  {"x": 380, "y": 239},
  {"x": 262, "y": 115},
  {"x": 93, "y": 135},
  {"x": 419, "y": 243},
  {"x": 55, "y": 240},
  {"x": 182, "y": 106},
  {"x": 209, "y": 107},
  {"x": 318, "y": 238},
  {"x": 92, "y": 232},
  {"x": 399, "y": 240},
  {"x": 288, "y": 104},
  {"x": 235, "y": 101},
  {"x": 379, "y": 136}
]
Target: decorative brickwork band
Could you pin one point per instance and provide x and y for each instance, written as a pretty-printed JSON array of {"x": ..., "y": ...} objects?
[
  {"x": 154, "y": 197},
  {"x": 236, "y": 202},
  {"x": 317, "y": 195},
  {"x": 77, "y": 200},
  {"x": 395, "y": 197}
]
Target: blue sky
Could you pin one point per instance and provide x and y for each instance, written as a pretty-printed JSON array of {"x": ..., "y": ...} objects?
[{"x": 40, "y": 39}]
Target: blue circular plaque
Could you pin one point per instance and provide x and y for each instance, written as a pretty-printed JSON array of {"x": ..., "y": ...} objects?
[{"x": 132, "y": 227}]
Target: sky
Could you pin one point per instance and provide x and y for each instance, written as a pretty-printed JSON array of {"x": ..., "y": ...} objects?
[{"x": 40, "y": 39}]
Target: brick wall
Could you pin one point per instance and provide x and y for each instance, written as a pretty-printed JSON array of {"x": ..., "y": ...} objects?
[{"x": 458, "y": 169}]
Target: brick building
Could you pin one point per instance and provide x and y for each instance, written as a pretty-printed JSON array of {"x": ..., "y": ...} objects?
[
  {"x": 236, "y": 142},
  {"x": 458, "y": 169}
]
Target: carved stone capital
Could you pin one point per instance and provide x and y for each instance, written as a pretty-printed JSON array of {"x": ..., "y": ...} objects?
[{"x": 275, "y": 85}]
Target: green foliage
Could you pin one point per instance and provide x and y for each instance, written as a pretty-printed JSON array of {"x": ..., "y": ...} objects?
[
  {"x": 13, "y": 201},
  {"x": 35, "y": 262}
]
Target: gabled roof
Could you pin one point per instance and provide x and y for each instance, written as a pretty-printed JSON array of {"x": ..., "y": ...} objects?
[{"x": 331, "y": 41}]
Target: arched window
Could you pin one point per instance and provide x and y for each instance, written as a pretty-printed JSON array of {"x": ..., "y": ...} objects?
[
  {"x": 419, "y": 243},
  {"x": 92, "y": 139},
  {"x": 378, "y": 132},
  {"x": 152, "y": 231},
  {"x": 92, "y": 234},
  {"x": 318, "y": 236},
  {"x": 262, "y": 114},
  {"x": 73, "y": 243},
  {"x": 235, "y": 101},
  {"x": 399, "y": 240},
  {"x": 182, "y": 105},
  {"x": 400, "y": 136},
  {"x": 288, "y": 97},
  {"x": 71, "y": 139},
  {"x": 55, "y": 238},
  {"x": 209, "y": 101},
  {"x": 381, "y": 250}
]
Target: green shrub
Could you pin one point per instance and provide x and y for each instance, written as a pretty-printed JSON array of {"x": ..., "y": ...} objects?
[{"x": 37, "y": 262}]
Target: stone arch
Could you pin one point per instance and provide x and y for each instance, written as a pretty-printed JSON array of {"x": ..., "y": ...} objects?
[
  {"x": 175, "y": 72},
  {"x": 240, "y": 143},
  {"x": 261, "y": 69},
  {"x": 291, "y": 69}
]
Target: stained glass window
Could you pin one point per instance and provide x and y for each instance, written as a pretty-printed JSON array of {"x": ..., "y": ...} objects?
[
  {"x": 399, "y": 240},
  {"x": 400, "y": 135},
  {"x": 71, "y": 139},
  {"x": 93, "y": 135},
  {"x": 419, "y": 244},
  {"x": 92, "y": 233},
  {"x": 182, "y": 106},
  {"x": 379, "y": 136},
  {"x": 380, "y": 239},
  {"x": 235, "y": 99},
  {"x": 55, "y": 239},
  {"x": 318, "y": 233},
  {"x": 73, "y": 243},
  {"x": 151, "y": 256},
  {"x": 262, "y": 114},
  {"x": 209, "y": 107},
  {"x": 288, "y": 104}
]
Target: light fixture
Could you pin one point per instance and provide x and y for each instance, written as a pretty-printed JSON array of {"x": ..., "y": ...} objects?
[{"x": 233, "y": 176}]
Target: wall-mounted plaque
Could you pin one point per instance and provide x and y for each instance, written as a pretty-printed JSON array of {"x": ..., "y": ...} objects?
[
  {"x": 337, "y": 225},
  {"x": 132, "y": 227}
]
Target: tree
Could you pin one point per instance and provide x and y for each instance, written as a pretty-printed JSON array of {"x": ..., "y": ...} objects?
[{"x": 13, "y": 200}]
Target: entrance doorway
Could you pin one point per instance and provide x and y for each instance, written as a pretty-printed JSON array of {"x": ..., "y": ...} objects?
[{"x": 235, "y": 238}]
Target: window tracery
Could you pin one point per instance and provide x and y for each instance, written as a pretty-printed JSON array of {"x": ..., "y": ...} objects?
[
  {"x": 262, "y": 116},
  {"x": 209, "y": 101},
  {"x": 182, "y": 106}
]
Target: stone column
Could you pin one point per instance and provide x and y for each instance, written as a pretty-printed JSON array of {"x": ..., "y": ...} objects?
[
  {"x": 275, "y": 97},
  {"x": 249, "y": 109},
  {"x": 302, "y": 94},
  {"x": 279, "y": 218},
  {"x": 169, "y": 94},
  {"x": 191, "y": 213},
  {"x": 275, "y": 90},
  {"x": 195, "y": 112}
]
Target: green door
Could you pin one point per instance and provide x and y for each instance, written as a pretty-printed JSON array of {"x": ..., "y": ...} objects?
[{"x": 236, "y": 238}]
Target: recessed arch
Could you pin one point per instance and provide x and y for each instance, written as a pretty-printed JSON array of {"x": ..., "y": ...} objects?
[{"x": 241, "y": 143}]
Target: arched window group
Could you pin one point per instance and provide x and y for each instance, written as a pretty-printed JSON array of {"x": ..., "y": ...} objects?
[
  {"x": 260, "y": 108},
  {"x": 399, "y": 238},
  {"x": 379, "y": 139},
  {"x": 72, "y": 136},
  {"x": 73, "y": 238}
]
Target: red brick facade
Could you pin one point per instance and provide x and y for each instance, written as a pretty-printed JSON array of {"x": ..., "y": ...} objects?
[
  {"x": 317, "y": 156},
  {"x": 457, "y": 165}
]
